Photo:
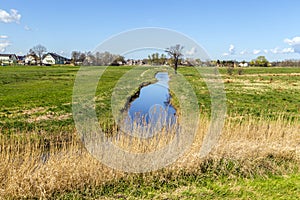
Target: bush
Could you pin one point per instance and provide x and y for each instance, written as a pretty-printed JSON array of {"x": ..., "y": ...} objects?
[
  {"x": 240, "y": 71},
  {"x": 230, "y": 70}
]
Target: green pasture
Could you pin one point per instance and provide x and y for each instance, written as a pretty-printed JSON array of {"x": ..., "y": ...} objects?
[{"x": 40, "y": 98}]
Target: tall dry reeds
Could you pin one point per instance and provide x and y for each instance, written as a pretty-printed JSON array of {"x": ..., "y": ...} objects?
[{"x": 39, "y": 165}]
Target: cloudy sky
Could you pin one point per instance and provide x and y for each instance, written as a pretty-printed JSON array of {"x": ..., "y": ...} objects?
[{"x": 240, "y": 30}]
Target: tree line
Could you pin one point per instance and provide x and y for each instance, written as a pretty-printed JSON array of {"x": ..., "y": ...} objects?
[{"x": 175, "y": 58}]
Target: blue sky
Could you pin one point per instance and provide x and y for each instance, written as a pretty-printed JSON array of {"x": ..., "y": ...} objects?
[{"x": 240, "y": 30}]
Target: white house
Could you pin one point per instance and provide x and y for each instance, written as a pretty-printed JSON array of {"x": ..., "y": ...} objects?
[
  {"x": 54, "y": 59},
  {"x": 31, "y": 59},
  {"x": 8, "y": 59},
  {"x": 243, "y": 64}
]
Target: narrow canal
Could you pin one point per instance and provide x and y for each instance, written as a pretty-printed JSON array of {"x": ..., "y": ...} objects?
[{"x": 152, "y": 106}]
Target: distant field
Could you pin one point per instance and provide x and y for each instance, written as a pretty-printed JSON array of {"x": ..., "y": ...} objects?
[
  {"x": 262, "y": 92},
  {"x": 39, "y": 98}
]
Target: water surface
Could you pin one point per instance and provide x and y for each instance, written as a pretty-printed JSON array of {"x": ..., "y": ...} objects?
[{"x": 152, "y": 107}]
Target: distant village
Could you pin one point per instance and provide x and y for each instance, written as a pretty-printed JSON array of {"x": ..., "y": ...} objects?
[
  {"x": 78, "y": 58},
  {"x": 106, "y": 58},
  {"x": 33, "y": 59}
]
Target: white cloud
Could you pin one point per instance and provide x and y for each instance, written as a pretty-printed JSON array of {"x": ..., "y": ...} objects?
[
  {"x": 12, "y": 16},
  {"x": 256, "y": 51},
  {"x": 243, "y": 52},
  {"x": 231, "y": 49},
  {"x": 278, "y": 50},
  {"x": 191, "y": 52},
  {"x": 275, "y": 50},
  {"x": 288, "y": 50},
  {"x": 294, "y": 43},
  {"x": 3, "y": 36},
  {"x": 27, "y": 28},
  {"x": 4, "y": 45}
]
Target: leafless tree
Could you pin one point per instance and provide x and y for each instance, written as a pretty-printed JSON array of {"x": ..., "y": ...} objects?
[
  {"x": 175, "y": 52},
  {"x": 100, "y": 59},
  {"x": 75, "y": 57},
  {"x": 82, "y": 57},
  {"x": 39, "y": 50}
]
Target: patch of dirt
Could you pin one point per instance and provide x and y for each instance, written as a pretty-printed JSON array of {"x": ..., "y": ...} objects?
[
  {"x": 34, "y": 110},
  {"x": 258, "y": 75},
  {"x": 50, "y": 116}
]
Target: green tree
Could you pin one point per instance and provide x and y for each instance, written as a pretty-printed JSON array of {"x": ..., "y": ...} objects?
[
  {"x": 260, "y": 61},
  {"x": 156, "y": 59},
  {"x": 162, "y": 59}
]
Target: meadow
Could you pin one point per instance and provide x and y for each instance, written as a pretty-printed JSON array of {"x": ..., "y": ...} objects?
[
  {"x": 34, "y": 98},
  {"x": 257, "y": 155}
]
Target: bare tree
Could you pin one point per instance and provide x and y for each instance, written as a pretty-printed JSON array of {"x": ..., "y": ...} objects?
[
  {"x": 77, "y": 57},
  {"x": 82, "y": 57},
  {"x": 90, "y": 59},
  {"x": 175, "y": 52},
  {"x": 39, "y": 50}
]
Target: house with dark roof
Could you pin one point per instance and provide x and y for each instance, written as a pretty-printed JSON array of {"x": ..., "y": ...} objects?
[
  {"x": 31, "y": 59},
  {"x": 21, "y": 60},
  {"x": 8, "y": 59},
  {"x": 54, "y": 59}
]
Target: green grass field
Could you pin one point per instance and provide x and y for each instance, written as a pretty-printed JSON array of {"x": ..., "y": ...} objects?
[
  {"x": 273, "y": 187},
  {"x": 39, "y": 98},
  {"x": 256, "y": 157}
]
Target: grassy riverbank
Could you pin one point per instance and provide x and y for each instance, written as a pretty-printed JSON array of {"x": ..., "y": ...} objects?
[{"x": 257, "y": 155}]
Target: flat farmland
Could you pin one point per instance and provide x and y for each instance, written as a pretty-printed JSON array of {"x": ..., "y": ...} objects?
[
  {"x": 41, "y": 97},
  {"x": 41, "y": 155}
]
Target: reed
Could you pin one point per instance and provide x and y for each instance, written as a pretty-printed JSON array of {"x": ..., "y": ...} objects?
[{"x": 36, "y": 165}]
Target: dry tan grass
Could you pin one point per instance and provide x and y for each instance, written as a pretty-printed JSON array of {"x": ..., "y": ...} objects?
[
  {"x": 49, "y": 116},
  {"x": 32, "y": 166}
]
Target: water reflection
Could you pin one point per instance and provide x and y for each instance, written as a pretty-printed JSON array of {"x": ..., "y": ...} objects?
[{"x": 152, "y": 108}]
